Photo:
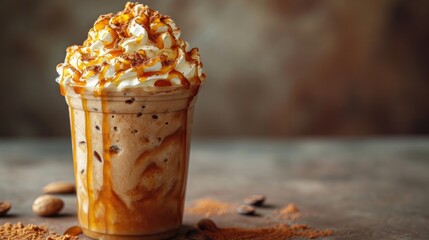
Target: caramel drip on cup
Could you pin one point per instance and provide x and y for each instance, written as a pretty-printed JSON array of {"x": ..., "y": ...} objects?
[
  {"x": 89, "y": 164},
  {"x": 106, "y": 193}
]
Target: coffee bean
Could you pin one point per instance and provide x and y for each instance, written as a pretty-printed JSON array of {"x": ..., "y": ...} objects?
[
  {"x": 4, "y": 207},
  {"x": 245, "y": 210},
  {"x": 254, "y": 200},
  {"x": 207, "y": 225}
]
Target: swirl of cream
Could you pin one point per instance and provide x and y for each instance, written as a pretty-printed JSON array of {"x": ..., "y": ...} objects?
[{"x": 137, "y": 47}]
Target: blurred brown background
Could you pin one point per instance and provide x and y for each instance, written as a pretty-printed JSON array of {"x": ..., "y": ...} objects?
[{"x": 275, "y": 68}]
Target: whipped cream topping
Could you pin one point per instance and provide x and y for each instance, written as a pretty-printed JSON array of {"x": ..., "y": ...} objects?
[{"x": 135, "y": 48}]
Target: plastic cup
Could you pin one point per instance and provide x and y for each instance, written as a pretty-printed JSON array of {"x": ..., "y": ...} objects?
[{"x": 130, "y": 152}]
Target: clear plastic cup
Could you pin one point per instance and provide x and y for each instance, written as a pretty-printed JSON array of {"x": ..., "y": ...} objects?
[{"x": 131, "y": 151}]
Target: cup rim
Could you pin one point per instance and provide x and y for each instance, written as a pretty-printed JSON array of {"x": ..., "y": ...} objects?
[{"x": 176, "y": 92}]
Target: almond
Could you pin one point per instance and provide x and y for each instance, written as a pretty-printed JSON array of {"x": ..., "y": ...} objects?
[
  {"x": 59, "y": 188},
  {"x": 245, "y": 210},
  {"x": 73, "y": 231},
  {"x": 47, "y": 205},
  {"x": 4, "y": 207},
  {"x": 254, "y": 200}
]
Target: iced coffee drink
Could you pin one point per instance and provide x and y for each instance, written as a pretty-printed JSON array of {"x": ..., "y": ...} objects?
[{"x": 131, "y": 88}]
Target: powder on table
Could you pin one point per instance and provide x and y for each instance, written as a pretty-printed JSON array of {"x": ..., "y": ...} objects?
[
  {"x": 209, "y": 207},
  {"x": 20, "y": 231},
  {"x": 279, "y": 232},
  {"x": 291, "y": 212}
]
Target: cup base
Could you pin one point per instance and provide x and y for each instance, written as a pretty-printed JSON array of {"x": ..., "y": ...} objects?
[{"x": 105, "y": 236}]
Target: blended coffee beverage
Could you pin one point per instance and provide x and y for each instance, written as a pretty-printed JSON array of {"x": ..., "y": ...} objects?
[{"x": 131, "y": 89}]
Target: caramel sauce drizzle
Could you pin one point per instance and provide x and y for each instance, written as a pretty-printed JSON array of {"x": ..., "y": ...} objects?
[
  {"x": 117, "y": 26},
  {"x": 62, "y": 90},
  {"x": 106, "y": 192},
  {"x": 89, "y": 164},
  {"x": 100, "y": 85}
]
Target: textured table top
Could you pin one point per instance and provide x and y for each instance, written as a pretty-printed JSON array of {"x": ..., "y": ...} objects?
[{"x": 360, "y": 188}]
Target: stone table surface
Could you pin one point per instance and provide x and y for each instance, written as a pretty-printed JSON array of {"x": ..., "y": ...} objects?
[{"x": 360, "y": 188}]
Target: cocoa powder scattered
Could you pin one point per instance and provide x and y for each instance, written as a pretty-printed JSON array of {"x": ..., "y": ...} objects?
[
  {"x": 207, "y": 229},
  {"x": 279, "y": 232},
  {"x": 210, "y": 207},
  {"x": 291, "y": 212},
  {"x": 20, "y": 231}
]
